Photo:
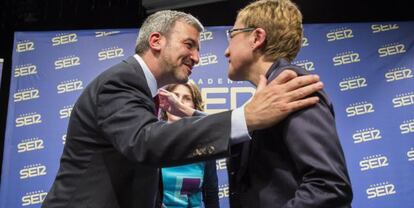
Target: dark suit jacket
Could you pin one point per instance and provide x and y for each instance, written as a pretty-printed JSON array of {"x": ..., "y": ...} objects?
[
  {"x": 115, "y": 144},
  {"x": 210, "y": 185},
  {"x": 297, "y": 163}
]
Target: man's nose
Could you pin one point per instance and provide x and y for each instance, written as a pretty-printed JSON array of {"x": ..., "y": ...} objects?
[{"x": 195, "y": 56}]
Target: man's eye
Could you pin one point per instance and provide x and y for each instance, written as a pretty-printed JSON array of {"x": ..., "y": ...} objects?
[{"x": 189, "y": 45}]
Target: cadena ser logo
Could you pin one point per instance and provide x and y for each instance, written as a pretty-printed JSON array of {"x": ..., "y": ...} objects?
[
  {"x": 305, "y": 41},
  {"x": 65, "y": 111},
  {"x": 223, "y": 191},
  {"x": 404, "y": 99},
  {"x": 348, "y": 57},
  {"x": 31, "y": 144},
  {"x": 391, "y": 49},
  {"x": 33, "y": 170},
  {"x": 206, "y": 35},
  {"x": 99, "y": 34},
  {"x": 64, "y": 38},
  {"x": 25, "y": 45},
  {"x": 380, "y": 190},
  {"x": 398, "y": 74},
  {"x": 35, "y": 197},
  {"x": 110, "y": 53},
  {"x": 366, "y": 135},
  {"x": 351, "y": 83},
  {"x": 410, "y": 154},
  {"x": 339, "y": 34},
  {"x": 25, "y": 70},
  {"x": 64, "y": 139},
  {"x": 210, "y": 93},
  {"x": 221, "y": 164},
  {"x": 26, "y": 94},
  {"x": 373, "y": 161},
  {"x": 67, "y": 61},
  {"x": 69, "y": 86},
  {"x": 306, "y": 64},
  {"x": 376, "y": 28},
  {"x": 360, "y": 108},
  {"x": 28, "y": 119},
  {"x": 207, "y": 59},
  {"x": 407, "y": 126}
]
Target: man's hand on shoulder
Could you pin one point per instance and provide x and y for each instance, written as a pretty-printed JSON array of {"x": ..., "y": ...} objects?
[{"x": 285, "y": 94}]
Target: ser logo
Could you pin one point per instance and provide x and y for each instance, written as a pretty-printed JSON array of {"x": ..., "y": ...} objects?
[
  {"x": 380, "y": 190},
  {"x": 361, "y": 108},
  {"x": 23, "y": 46},
  {"x": 404, "y": 99},
  {"x": 305, "y": 42},
  {"x": 30, "y": 145},
  {"x": 99, "y": 34},
  {"x": 221, "y": 164},
  {"x": 372, "y": 162},
  {"x": 65, "y": 112},
  {"x": 223, "y": 191},
  {"x": 30, "y": 171},
  {"x": 346, "y": 58},
  {"x": 207, "y": 60},
  {"x": 366, "y": 135},
  {"x": 25, "y": 70},
  {"x": 398, "y": 74},
  {"x": 61, "y": 39},
  {"x": 28, "y": 119},
  {"x": 67, "y": 62},
  {"x": 69, "y": 86},
  {"x": 410, "y": 155},
  {"x": 352, "y": 83},
  {"x": 339, "y": 34},
  {"x": 26, "y": 94},
  {"x": 382, "y": 28},
  {"x": 64, "y": 139},
  {"x": 306, "y": 64},
  {"x": 407, "y": 127},
  {"x": 110, "y": 53},
  {"x": 206, "y": 35},
  {"x": 35, "y": 197},
  {"x": 391, "y": 49},
  {"x": 234, "y": 92}
]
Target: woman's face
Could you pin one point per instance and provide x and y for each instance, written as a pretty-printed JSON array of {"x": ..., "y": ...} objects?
[{"x": 184, "y": 96}]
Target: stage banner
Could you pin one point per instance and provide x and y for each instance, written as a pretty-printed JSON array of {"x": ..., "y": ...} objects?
[{"x": 366, "y": 68}]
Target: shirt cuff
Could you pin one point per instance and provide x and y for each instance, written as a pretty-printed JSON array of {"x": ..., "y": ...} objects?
[{"x": 239, "y": 132}]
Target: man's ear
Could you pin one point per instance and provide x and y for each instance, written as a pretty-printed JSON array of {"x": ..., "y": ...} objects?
[
  {"x": 155, "y": 41},
  {"x": 259, "y": 36}
]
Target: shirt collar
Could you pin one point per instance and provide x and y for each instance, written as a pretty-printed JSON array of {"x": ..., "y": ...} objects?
[{"x": 152, "y": 82}]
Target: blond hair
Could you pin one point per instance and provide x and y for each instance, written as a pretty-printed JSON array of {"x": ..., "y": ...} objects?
[{"x": 282, "y": 21}]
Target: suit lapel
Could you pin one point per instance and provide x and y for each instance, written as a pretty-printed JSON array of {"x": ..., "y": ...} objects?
[{"x": 271, "y": 74}]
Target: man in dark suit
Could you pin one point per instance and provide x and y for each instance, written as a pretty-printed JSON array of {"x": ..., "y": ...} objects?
[
  {"x": 298, "y": 162},
  {"x": 115, "y": 143}
]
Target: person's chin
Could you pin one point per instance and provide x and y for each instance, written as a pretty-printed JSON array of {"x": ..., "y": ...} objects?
[{"x": 233, "y": 76}]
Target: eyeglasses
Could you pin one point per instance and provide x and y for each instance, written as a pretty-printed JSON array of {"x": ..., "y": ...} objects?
[{"x": 229, "y": 32}]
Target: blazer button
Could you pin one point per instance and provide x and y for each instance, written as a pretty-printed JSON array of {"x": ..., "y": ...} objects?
[{"x": 211, "y": 149}]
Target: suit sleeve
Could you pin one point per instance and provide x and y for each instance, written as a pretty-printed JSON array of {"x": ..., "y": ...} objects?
[
  {"x": 311, "y": 137},
  {"x": 125, "y": 118},
  {"x": 210, "y": 185}
]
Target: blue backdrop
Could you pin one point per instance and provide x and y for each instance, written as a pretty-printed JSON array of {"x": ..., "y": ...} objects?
[{"x": 366, "y": 67}]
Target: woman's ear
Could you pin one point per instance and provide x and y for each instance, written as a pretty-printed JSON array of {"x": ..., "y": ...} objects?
[{"x": 259, "y": 38}]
